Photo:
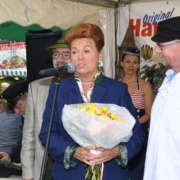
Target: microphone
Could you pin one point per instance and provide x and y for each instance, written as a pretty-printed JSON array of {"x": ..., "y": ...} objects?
[{"x": 69, "y": 68}]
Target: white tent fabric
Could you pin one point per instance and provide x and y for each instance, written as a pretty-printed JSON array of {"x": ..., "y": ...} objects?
[
  {"x": 63, "y": 14},
  {"x": 107, "y": 21},
  {"x": 47, "y": 13}
]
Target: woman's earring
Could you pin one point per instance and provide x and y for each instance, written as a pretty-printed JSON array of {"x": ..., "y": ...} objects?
[{"x": 100, "y": 66}]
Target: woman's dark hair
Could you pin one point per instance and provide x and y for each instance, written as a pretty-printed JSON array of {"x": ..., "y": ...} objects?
[{"x": 86, "y": 30}]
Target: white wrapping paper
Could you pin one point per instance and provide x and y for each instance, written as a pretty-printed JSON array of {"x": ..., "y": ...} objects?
[{"x": 89, "y": 129}]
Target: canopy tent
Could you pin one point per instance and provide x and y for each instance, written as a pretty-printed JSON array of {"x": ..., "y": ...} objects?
[
  {"x": 62, "y": 14},
  {"x": 47, "y": 14},
  {"x": 12, "y": 31}
]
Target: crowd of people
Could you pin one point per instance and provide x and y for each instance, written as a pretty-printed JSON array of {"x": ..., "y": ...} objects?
[{"x": 152, "y": 153}]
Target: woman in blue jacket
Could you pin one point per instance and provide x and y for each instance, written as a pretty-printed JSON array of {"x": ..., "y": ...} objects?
[{"x": 88, "y": 85}]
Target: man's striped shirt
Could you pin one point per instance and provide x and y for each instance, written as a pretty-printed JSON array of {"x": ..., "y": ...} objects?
[{"x": 10, "y": 130}]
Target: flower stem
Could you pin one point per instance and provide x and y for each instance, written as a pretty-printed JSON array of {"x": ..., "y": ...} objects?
[{"x": 93, "y": 172}]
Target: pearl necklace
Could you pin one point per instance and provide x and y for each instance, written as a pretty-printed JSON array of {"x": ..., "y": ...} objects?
[{"x": 86, "y": 83}]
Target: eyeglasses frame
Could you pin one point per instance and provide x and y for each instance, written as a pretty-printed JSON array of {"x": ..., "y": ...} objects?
[
  {"x": 61, "y": 55},
  {"x": 167, "y": 44}
]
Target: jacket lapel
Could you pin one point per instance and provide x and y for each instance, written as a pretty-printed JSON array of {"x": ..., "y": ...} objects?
[
  {"x": 75, "y": 96},
  {"x": 98, "y": 93}
]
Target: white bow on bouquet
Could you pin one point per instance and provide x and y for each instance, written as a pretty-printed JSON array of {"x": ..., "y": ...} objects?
[{"x": 101, "y": 125}]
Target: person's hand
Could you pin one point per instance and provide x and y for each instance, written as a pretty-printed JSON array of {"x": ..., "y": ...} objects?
[
  {"x": 106, "y": 155},
  {"x": 83, "y": 154},
  {"x": 18, "y": 164},
  {"x": 5, "y": 156}
]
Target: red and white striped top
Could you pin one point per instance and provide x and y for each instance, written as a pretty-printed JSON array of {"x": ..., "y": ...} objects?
[{"x": 138, "y": 100}]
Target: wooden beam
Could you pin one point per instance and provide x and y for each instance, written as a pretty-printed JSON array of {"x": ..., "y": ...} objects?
[{"x": 103, "y": 3}]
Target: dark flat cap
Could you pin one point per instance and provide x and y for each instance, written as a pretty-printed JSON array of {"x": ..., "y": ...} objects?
[
  {"x": 168, "y": 30},
  {"x": 14, "y": 92}
]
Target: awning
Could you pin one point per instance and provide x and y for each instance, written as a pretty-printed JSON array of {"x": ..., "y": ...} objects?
[
  {"x": 47, "y": 14},
  {"x": 13, "y": 72}
]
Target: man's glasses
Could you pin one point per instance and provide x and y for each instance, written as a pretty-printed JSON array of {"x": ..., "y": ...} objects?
[
  {"x": 65, "y": 55},
  {"x": 167, "y": 44}
]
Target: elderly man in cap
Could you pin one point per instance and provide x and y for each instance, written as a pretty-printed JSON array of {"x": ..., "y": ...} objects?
[
  {"x": 163, "y": 153},
  {"x": 15, "y": 96},
  {"x": 32, "y": 151},
  {"x": 11, "y": 127}
]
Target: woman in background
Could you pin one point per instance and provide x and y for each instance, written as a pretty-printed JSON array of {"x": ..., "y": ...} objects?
[{"x": 142, "y": 98}]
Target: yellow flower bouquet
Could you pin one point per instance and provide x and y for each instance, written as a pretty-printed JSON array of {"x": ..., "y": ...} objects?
[
  {"x": 101, "y": 125},
  {"x": 102, "y": 111}
]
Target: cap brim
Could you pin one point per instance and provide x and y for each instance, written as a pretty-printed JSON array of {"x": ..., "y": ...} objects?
[
  {"x": 160, "y": 39},
  {"x": 50, "y": 48}
]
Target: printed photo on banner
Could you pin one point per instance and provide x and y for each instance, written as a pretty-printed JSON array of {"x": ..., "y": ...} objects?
[{"x": 13, "y": 55}]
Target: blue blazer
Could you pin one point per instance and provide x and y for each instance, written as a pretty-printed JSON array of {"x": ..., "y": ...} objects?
[{"x": 107, "y": 91}]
